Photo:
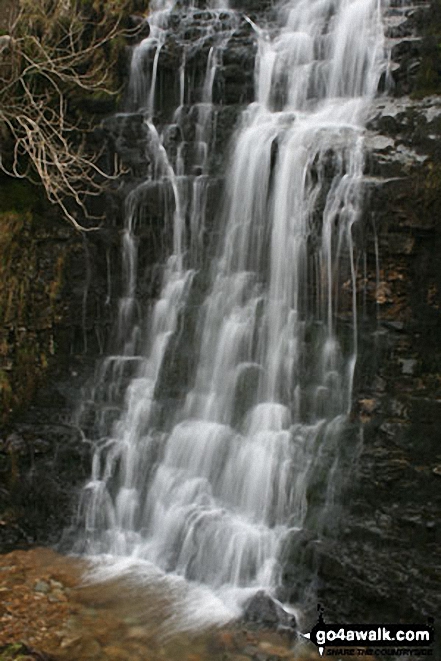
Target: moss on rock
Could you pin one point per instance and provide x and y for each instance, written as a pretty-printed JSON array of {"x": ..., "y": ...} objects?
[{"x": 30, "y": 298}]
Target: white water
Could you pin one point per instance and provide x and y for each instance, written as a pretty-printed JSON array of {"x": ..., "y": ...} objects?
[{"x": 213, "y": 499}]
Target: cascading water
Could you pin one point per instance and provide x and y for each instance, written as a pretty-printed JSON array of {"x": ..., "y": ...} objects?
[{"x": 256, "y": 443}]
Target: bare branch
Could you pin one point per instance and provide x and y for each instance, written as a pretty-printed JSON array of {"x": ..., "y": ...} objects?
[{"x": 52, "y": 53}]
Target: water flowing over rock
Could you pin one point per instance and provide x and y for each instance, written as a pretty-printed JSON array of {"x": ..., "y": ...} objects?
[
  {"x": 210, "y": 483},
  {"x": 263, "y": 611}
]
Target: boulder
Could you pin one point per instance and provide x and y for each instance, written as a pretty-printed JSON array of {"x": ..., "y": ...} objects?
[{"x": 265, "y": 612}]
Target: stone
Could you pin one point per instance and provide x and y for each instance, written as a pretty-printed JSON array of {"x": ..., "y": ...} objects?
[
  {"x": 57, "y": 596},
  {"x": 137, "y": 633},
  {"x": 399, "y": 244},
  {"x": 89, "y": 648},
  {"x": 56, "y": 585},
  {"x": 71, "y": 641},
  {"x": 129, "y": 136},
  {"x": 225, "y": 640},
  {"x": 368, "y": 405},
  {"x": 264, "y": 611},
  {"x": 392, "y": 325},
  {"x": 384, "y": 293},
  {"x": 408, "y": 365},
  {"x": 275, "y": 650},
  {"x": 42, "y": 586},
  {"x": 117, "y": 653}
]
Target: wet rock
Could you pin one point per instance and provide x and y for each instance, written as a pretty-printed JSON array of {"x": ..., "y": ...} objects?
[
  {"x": 70, "y": 641},
  {"x": 129, "y": 137},
  {"x": 406, "y": 54},
  {"x": 264, "y": 611},
  {"x": 140, "y": 26},
  {"x": 225, "y": 641},
  {"x": 117, "y": 653},
  {"x": 250, "y": 650},
  {"x": 408, "y": 365},
  {"x": 396, "y": 326},
  {"x": 368, "y": 406},
  {"x": 42, "y": 586},
  {"x": 137, "y": 633},
  {"x": 85, "y": 647},
  {"x": 251, "y": 6},
  {"x": 399, "y": 243},
  {"x": 56, "y": 585},
  {"x": 275, "y": 650},
  {"x": 57, "y": 597},
  {"x": 15, "y": 444}
]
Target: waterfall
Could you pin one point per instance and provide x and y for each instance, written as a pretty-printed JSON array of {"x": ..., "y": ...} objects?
[{"x": 211, "y": 488}]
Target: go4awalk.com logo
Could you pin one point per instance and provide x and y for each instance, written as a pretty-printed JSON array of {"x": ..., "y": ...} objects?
[{"x": 386, "y": 640}]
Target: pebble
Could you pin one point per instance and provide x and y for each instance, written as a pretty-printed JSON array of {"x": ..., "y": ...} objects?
[
  {"x": 275, "y": 650},
  {"x": 70, "y": 641},
  {"x": 131, "y": 620},
  {"x": 89, "y": 648},
  {"x": 56, "y": 585},
  {"x": 250, "y": 650},
  {"x": 225, "y": 640},
  {"x": 90, "y": 612},
  {"x": 42, "y": 586},
  {"x": 137, "y": 633},
  {"x": 116, "y": 653},
  {"x": 57, "y": 597}
]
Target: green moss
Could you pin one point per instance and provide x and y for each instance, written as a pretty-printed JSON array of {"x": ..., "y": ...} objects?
[{"x": 16, "y": 652}]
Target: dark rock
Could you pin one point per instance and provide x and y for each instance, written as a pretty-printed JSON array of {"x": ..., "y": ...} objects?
[
  {"x": 140, "y": 26},
  {"x": 264, "y": 611},
  {"x": 129, "y": 137},
  {"x": 406, "y": 55}
]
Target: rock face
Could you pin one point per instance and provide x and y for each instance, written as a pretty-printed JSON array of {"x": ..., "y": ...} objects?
[
  {"x": 53, "y": 322},
  {"x": 391, "y": 530},
  {"x": 383, "y": 563}
]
